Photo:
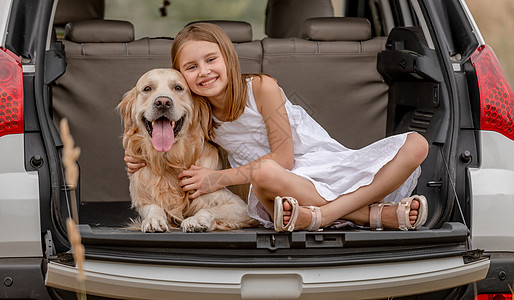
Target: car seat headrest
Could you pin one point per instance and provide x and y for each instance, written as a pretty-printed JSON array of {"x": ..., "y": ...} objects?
[
  {"x": 284, "y": 18},
  {"x": 336, "y": 29},
  {"x": 78, "y": 10},
  {"x": 237, "y": 31},
  {"x": 99, "y": 31}
]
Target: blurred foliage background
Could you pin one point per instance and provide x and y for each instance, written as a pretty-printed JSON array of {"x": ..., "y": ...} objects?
[
  {"x": 180, "y": 12},
  {"x": 495, "y": 19}
]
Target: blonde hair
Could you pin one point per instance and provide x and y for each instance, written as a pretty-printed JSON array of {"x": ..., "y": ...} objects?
[{"x": 237, "y": 90}]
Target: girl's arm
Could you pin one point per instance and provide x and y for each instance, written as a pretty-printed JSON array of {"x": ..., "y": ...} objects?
[
  {"x": 271, "y": 104},
  {"x": 133, "y": 164}
]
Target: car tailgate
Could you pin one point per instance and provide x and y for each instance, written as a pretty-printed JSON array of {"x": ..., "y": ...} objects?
[
  {"x": 379, "y": 280},
  {"x": 262, "y": 264}
]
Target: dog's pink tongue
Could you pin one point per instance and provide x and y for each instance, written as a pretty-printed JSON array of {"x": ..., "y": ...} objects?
[{"x": 162, "y": 135}]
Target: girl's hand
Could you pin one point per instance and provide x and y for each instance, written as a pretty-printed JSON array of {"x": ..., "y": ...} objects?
[
  {"x": 133, "y": 164},
  {"x": 202, "y": 180}
]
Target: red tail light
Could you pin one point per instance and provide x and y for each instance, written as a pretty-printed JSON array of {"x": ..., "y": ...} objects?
[
  {"x": 496, "y": 97},
  {"x": 494, "y": 297},
  {"x": 11, "y": 93}
]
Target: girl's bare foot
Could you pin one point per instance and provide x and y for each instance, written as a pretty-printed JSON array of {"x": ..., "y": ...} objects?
[
  {"x": 390, "y": 219},
  {"x": 304, "y": 217}
]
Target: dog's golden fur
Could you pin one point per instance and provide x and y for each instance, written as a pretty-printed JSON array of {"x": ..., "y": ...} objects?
[{"x": 155, "y": 189}]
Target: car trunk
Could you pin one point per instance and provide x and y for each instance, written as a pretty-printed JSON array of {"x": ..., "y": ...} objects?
[
  {"x": 402, "y": 85},
  {"x": 412, "y": 98}
]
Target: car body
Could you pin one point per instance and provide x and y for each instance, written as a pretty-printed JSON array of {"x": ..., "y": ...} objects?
[{"x": 418, "y": 65}]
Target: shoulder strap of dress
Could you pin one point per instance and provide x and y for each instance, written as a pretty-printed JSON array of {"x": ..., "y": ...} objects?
[{"x": 251, "y": 99}]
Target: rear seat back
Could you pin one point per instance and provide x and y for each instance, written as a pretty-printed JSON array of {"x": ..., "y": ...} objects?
[
  {"x": 103, "y": 62},
  {"x": 284, "y": 18},
  {"x": 77, "y": 10},
  {"x": 332, "y": 73}
]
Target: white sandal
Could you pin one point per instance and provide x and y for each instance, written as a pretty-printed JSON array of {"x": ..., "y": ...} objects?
[
  {"x": 402, "y": 213},
  {"x": 315, "y": 218},
  {"x": 278, "y": 213}
]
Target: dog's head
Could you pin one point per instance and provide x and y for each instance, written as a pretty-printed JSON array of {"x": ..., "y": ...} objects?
[{"x": 161, "y": 105}]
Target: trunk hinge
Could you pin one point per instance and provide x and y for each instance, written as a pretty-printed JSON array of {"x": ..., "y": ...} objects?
[
  {"x": 473, "y": 255},
  {"x": 50, "y": 252}
]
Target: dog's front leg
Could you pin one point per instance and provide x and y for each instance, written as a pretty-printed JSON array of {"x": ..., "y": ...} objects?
[
  {"x": 203, "y": 220},
  {"x": 154, "y": 219}
]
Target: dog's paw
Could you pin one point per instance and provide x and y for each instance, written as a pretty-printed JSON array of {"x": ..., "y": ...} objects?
[
  {"x": 153, "y": 224},
  {"x": 197, "y": 224}
]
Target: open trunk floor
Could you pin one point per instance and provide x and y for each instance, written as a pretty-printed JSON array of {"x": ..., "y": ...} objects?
[
  {"x": 106, "y": 234},
  {"x": 106, "y": 214}
]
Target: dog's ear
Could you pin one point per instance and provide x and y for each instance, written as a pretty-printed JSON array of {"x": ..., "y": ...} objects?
[
  {"x": 202, "y": 116},
  {"x": 126, "y": 107}
]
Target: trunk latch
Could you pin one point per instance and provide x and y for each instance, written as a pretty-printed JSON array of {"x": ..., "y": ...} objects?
[{"x": 273, "y": 241}]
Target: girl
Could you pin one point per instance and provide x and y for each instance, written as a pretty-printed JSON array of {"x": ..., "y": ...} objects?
[{"x": 282, "y": 151}]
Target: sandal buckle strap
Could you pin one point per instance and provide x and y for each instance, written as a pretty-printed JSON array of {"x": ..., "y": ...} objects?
[
  {"x": 402, "y": 213},
  {"x": 279, "y": 214},
  {"x": 316, "y": 218}
]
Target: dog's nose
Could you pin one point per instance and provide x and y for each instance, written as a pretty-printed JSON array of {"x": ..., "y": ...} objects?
[{"x": 163, "y": 103}]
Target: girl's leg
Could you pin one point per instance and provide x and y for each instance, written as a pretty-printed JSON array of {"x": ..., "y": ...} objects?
[{"x": 272, "y": 180}]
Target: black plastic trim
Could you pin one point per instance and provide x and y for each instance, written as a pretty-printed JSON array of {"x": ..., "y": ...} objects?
[
  {"x": 295, "y": 259},
  {"x": 499, "y": 277},
  {"x": 42, "y": 102},
  {"x": 22, "y": 278},
  {"x": 261, "y": 247},
  {"x": 249, "y": 238}
]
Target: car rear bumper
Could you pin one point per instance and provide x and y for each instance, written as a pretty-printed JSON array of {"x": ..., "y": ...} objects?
[
  {"x": 20, "y": 235},
  {"x": 493, "y": 194},
  {"x": 129, "y": 280}
]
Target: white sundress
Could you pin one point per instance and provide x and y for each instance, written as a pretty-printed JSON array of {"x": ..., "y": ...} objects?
[{"x": 333, "y": 169}]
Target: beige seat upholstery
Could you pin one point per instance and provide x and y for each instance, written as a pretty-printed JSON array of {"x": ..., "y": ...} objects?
[
  {"x": 103, "y": 62},
  {"x": 284, "y": 18},
  {"x": 332, "y": 73},
  {"x": 77, "y": 10}
]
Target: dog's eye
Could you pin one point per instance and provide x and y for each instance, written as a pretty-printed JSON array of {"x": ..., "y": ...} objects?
[
  {"x": 178, "y": 88},
  {"x": 147, "y": 88}
]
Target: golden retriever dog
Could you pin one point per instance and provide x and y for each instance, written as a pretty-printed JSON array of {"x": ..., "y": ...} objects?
[{"x": 166, "y": 129}]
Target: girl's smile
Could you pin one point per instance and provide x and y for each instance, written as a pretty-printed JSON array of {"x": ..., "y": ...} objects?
[
  {"x": 208, "y": 82},
  {"x": 204, "y": 68}
]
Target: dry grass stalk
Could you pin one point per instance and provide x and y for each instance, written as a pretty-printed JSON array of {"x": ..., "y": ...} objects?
[
  {"x": 77, "y": 248},
  {"x": 70, "y": 154}
]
